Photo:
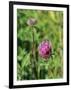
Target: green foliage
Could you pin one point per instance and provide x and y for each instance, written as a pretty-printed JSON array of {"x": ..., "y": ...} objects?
[{"x": 49, "y": 26}]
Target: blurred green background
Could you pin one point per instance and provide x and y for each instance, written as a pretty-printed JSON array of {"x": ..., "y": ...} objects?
[{"x": 49, "y": 26}]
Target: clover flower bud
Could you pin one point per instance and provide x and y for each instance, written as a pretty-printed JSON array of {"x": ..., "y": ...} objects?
[{"x": 31, "y": 21}]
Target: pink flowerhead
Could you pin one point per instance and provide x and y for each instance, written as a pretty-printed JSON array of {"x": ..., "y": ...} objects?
[{"x": 44, "y": 49}]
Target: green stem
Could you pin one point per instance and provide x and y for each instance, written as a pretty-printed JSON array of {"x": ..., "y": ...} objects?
[{"x": 34, "y": 61}]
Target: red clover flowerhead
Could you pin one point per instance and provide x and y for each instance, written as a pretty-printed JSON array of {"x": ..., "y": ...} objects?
[{"x": 44, "y": 49}]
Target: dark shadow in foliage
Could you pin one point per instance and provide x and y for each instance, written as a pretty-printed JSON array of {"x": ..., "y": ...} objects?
[
  {"x": 27, "y": 45},
  {"x": 24, "y": 45},
  {"x": 43, "y": 72},
  {"x": 19, "y": 61}
]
